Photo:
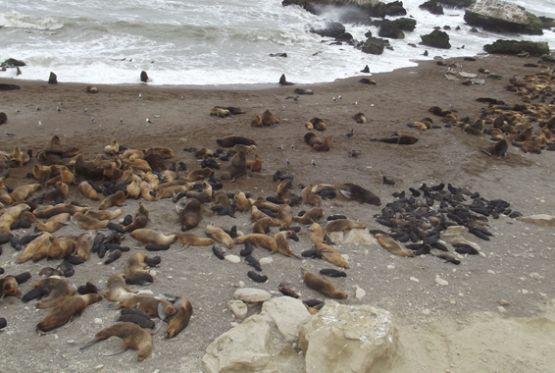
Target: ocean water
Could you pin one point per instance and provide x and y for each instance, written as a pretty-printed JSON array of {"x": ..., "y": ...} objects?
[{"x": 210, "y": 42}]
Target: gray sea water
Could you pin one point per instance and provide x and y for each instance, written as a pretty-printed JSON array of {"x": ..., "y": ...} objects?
[{"x": 209, "y": 42}]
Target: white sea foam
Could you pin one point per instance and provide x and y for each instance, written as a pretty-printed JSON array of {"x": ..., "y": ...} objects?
[{"x": 210, "y": 42}]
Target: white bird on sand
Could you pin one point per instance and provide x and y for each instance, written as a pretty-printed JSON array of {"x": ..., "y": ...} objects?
[
  {"x": 140, "y": 96},
  {"x": 17, "y": 110},
  {"x": 148, "y": 121},
  {"x": 58, "y": 108},
  {"x": 313, "y": 163},
  {"x": 92, "y": 119},
  {"x": 40, "y": 123}
]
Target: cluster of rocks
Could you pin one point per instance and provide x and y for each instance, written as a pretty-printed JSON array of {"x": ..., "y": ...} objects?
[{"x": 286, "y": 337}]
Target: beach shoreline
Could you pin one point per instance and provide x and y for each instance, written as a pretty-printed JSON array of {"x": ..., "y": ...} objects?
[{"x": 447, "y": 155}]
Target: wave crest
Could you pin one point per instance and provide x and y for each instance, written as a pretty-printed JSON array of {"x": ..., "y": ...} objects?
[{"x": 18, "y": 20}]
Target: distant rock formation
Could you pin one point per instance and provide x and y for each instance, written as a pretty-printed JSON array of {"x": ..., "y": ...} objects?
[
  {"x": 501, "y": 46},
  {"x": 436, "y": 39}
]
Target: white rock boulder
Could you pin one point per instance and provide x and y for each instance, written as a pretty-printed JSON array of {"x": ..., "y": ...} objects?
[{"x": 252, "y": 295}]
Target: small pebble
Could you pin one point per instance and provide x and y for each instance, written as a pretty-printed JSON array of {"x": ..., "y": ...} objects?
[
  {"x": 266, "y": 260},
  {"x": 501, "y": 309},
  {"x": 99, "y": 367},
  {"x": 414, "y": 279},
  {"x": 524, "y": 291},
  {"x": 241, "y": 284},
  {"x": 426, "y": 312},
  {"x": 359, "y": 292},
  {"x": 232, "y": 259},
  {"x": 441, "y": 282},
  {"x": 390, "y": 266},
  {"x": 503, "y": 302},
  {"x": 97, "y": 320}
]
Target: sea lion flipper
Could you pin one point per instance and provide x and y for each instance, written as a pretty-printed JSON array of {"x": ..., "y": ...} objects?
[
  {"x": 161, "y": 311},
  {"x": 117, "y": 351},
  {"x": 89, "y": 344},
  {"x": 156, "y": 328}
]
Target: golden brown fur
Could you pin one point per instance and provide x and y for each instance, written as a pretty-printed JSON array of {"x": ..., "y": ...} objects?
[
  {"x": 133, "y": 336},
  {"x": 343, "y": 225},
  {"x": 59, "y": 291},
  {"x": 68, "y": 310},
  {"x": 322, "y": 286},
  {"x": 219, "y": 235},
  {"x": 116, "y": 290},
  {"x": 180, "y": 320},
  {"x": 259, "y": 240},
  {"x": 147, "y": 236}
]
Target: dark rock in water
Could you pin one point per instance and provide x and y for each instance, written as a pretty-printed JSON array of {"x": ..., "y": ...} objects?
[
  {"x": 456, "y": 3},
  {"x": 278, "y": 55},
  {"x": 9, "y": 87},
  {"x": 432, "y": 6},
  {"x": 53, "y": 79},
  {"x": 436, "y": 39},
  {"x": 501, "y": 16},
  {"x": 365, "y": 70},
  {"x": 12, "y": 62},
  {"x": 3, "y": 118},
  {"x": 389, "y": 29},
  {"x": 534, "y": 48},
  {"x": 374, "y": 45},
  {"x": 144, "y": 76},
  {"x": 344, "y": 37},
  {"x": 395, "y": 9},
  {"x": 330, "y": 29}
]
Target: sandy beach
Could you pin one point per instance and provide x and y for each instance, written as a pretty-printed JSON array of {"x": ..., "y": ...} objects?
[{"x": 453, "y": 328}]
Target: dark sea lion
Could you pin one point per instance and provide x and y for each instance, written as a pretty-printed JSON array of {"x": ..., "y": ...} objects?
[
  {"x": 283, "y": 80},
  {"x": 144, "y": 76},
  {"x": 232, "y": 140},
  {"x": 143, "y": 322},
  {"x": 253, "y": 262},
  {"x": 88, "y": 288},
  {"x": 358, "y": 193},
  {"x": 400, "y": 140},
  {"x": 133, "y": 337},
  {"x": 318, "y": 124},
  {"x": 257, "y": 277},
  {"x": 285, "y": 289},
  {"x": 140, "y": 221},
  {"x": 332, "y": 272},
  {"x": 189, "y": 213},
  {"x": 322, "y": 286},
  {"x": 218, "y": 251},
  {"x": 142, "y": 279},
  {"x": 499, "y": 149},
  {"x": 67, "y": 311},
  {"x": 237, "y": 168}
]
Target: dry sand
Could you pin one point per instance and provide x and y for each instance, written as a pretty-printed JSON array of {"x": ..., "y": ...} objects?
[{"x": 453, "y": 328}]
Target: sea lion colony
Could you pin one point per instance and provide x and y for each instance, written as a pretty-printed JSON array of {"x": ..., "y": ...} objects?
[{"x": 56, "y": 174}]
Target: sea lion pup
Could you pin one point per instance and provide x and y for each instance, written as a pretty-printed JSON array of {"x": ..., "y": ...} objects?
[
  {"x": 393, "y": 246},
  {"x": 11, "y": 215},
  {"x": 263, "y": 225},
  {"x": 115, "y": 199},
  {"x": 140, "y": 221},
  {"x": 285, "y": 216},
  {"x": 439, "y": 111},
  {"x": 45, "y": 212},
  {"x": 324, "y": 287},
  {"x": 84, "y": 245},
  {"x": 257, "y": 215},
  {"x": 59, "y": 291},
  {"x": 309, "y": 198},
  {"x": 285, "y": 289},
  {"x": 499, "y": 149},
  {"x": 358, "y": 193},
  {"x": 282, "y": 244},
  {"x": 180, "y": 320},
  {"x": 133, "y": 336},
  {"x": 259, "y": 240},
  {"x": 256, "y": 165},
  {"x": 237, "y": 168},
  {"x": 38, "y": 244},
  {"x": 69, "y": 310},
  {"x": 310, "y": 216},
  {"x": 8, "y": 286},
  {"x": 54, "y": 223},
  {"x": 117, "y": 290},
  {"x": 112, "y": 148},
  {"x": 189, "y": 213},
  {"x": 87, "y": 222},
  {"x": 219, "y": 235},
  {"x": 232, "y": 140},
  {"x": 324, "y": 147},
  {"x": 132, "y": 189},
  {"x": 331, "y": 255},
  {"x": 218, "y": 112},
  {"x": 257, "y": 121},
  {"x": 269, "y": 119},
  {"x": 147, "y": 236},
  {"x": 136, "y": 265},
  {"x": 22, "y": 192},
  {"x": 283, "y": 80},
  {"x": 191, "y": 239},
  {"x": 400, "y": 140},
  {"x": 343, "y": 225},
  {"x": 20, "y": 157},
  {"x": 359, "y": 118},
  {"x": 318, "y": 124}
]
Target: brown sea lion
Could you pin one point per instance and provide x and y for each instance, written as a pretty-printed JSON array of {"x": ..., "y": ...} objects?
[
  {"x": 312, "y": 139},
  {"x": 191, "y": 239},
  {"x": 257, "y": 121},
  {"x": 22, "y": 192},
  {"x": 393, "y": 246},
  {"x": 54, "y": 223},
  {"x": 11, "y": 215},
  {"x": 343, "y": 225},
  {"x": 399, "y": 140},
  {"x": 148, "y": 305},
  {"x": 116, "y": 290},
  {"x": 316, "y": 233},
  {"x": 325, "y": 146},
  {"x": 136, "y": 265},
  {"x": 147, "y": 236},
  {"x": 198, "y": 175},
  {"x": 87, "y": 222},
  {"x": 218, "y": 112},
  {"x": 322, "y": 286},
  {"x": 115, "y": 199},
  {"x": 259, "y": 240},
  {"x": 232, "y": 140},
  {"x": 282, "y": 244},
  {"x": 499, "y": 149},
  {"x": 8, "y": 286},
  {"x": 309, "y": 198},
  {"x": 45, "y": 212},
  {"x": 359, "y": 118},
  {"x": 140, "y": 221},
  {"x": 358, "y": 193},
  {"x": 59, "y": 291},
  {"x": 84, "y": 245},
  {"x": 180, "y": 320},
  {"x": 268, "y": 119},
  {"x": 189, "y": 213},
  {"x": 219, "y": 235},
  {"x": 237, "y": 168},
  {"x": 133, "y": 336},
  {"x": 67, "y": 311},
  {"x": 310, "y": 216},
  {"x": 204, "y": 196},
  {"x": 262, "y": 225},
  {"x": 241, "y": 202},
  {"x": 104, "y": 214},
  {"x": 38, "y": 244},
  {"x": 256, "y": 165},
  {"x": 41, "y": 172},
  {"x": 318, "y": 124},
  {"x": 331, "y": 255}
]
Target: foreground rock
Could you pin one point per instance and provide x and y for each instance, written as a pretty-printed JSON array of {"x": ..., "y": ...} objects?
[
  {"x": 533, "y": 48},
  {"x": 436, "y": 39},
  {"x": 543, "y": 220},
  {"x": 262, "y": 343},
  {"x": 344, "y": 338},
  {"x": 500, "y": 16}
]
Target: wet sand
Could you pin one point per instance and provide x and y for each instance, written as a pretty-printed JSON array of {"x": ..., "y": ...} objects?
[{"x": 180, "y": 120}]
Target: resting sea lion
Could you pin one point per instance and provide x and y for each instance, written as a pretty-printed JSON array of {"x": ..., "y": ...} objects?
[
  {"x": 191, "y": 239},
  {"x": 67, "y": 311},
  {"x": 343, "y": 225},
  {"x": 232, "y": 140},
  {"x": 219, "y": 235},
  {"x": 358, "y": 193},
  {"x": 259, "y": 240},
  {"x": 116, "y": 290},
  {"x": 180, "y": 320},
  {"x": 322, "y": 286},
  {"x": 147, "y": 236},
  {"x": 393, "y": 246},
  {"x": 189, "y": 213},
  {"x": 400, "y": 140},
  {"x": 59, "y": 291}
]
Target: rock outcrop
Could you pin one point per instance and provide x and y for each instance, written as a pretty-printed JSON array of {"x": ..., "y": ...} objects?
[
  {"x": 330, "y": 29},
  {"x": 374, "y": 45},
  {"x": 501, "y": 46},
  {"x": 346, "y": 338},
  {"x": 432, "y": 6},
  {"x": 500, "y": 16},
  {"x": 436, "y": 39}
]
